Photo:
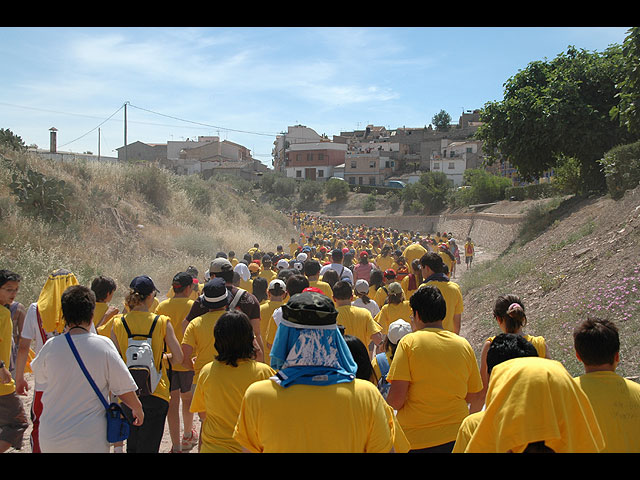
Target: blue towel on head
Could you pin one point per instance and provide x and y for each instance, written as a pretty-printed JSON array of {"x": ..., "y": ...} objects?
[{"x": 311, "y": 355}]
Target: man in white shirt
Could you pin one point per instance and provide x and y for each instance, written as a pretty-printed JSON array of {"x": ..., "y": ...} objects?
[{"x": 336, "y": 264}]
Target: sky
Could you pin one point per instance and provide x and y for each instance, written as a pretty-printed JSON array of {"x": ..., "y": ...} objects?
[{"x": 248, "y": 84}]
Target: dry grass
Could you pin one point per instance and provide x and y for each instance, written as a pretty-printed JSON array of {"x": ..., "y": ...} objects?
[{"x": 128, "y": 220}]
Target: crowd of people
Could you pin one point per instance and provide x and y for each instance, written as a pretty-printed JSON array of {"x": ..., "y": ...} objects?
[{"x": 346, "y": 340}]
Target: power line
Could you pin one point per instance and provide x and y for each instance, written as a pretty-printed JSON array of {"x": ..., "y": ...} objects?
[
  {"x": 204, "y": 124},
  {"x": 93, "y": 129}
]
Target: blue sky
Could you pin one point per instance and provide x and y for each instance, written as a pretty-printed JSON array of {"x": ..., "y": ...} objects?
[{"x": 248, "y": 84}]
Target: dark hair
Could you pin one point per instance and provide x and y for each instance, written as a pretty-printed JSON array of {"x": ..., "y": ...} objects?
[
  {"x": 296, "y": 284},
  {"x": 233, "y": 338},
  {"x": 285, "y": 273},
  {"x": 376, "y": 278},
  {"x": 337, "y": 255},
  {"x": 509, "y": 309},
  {"x": 78, "y": 303},
  {"x": 102, "y": 286},
  {"x": 429, "y": 303},
  {"x": 311, "y": 268},
  {"x": 433, "y": 261},
  {"x": 226, "y": 275},
  {"x": 9, "y": 276},
  {"x": 331, "y": 277},
  {"x": 507, "y": 346},
  {"x": 342, "y": 290},
  {"x": 596, "y": 341},
  {"x": 361, "y": 356},
  {"x": 260, "y": 285}
]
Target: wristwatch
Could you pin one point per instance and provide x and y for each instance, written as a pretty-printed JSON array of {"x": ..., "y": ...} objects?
[{"x": 1, "y": 363}]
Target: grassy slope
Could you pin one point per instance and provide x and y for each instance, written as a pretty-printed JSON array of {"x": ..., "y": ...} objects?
[
  {"x": 128, "y": 220},
  {"x": 574, "y": 257}
]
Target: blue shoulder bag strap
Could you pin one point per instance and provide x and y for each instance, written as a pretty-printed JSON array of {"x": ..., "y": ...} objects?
[{"x": 84, "y": 370}]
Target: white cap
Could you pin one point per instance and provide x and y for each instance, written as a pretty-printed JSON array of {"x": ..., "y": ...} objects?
[
  {"x": 282, "y": 263},
  {"x": 397, "y": 330},
  {"x": 362, "y": 286},
  {"x": 302, "y": 257}
]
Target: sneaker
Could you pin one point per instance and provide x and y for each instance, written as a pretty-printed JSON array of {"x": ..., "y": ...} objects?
[{"x": 189, "y": 442}]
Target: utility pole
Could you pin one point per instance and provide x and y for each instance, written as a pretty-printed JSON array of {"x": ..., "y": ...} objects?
[
  {"x": 98, "y": 144},
  {"x": 125, "y": 131}
]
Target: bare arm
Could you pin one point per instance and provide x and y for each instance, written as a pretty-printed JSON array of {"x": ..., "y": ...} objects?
[
  {"x": 187, "y": 352},
  {"x": 131, "y": 400},
  {"x": 21, "y": 362},
  {"x": 255, "y": 323},
  {"x": 476, "y": 400},
  {"x": 398, "y": 393},
  {"x": 173, "y": 344},
  {"x": 457, "y": 323}
]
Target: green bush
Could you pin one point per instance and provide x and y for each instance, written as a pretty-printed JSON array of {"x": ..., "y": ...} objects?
[
  {"x": 484, "y": 187},
  {"x": 369, "y": 203},
  {"x": 621, "y": 166},
  {"x": 151, "y": 182},
  {"x": 40, "y": 196},
  {"x": 534, "y": 191},
  {"x": 336, "y": 189}
]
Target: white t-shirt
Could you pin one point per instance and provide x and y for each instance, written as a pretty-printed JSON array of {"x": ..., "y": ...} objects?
[
  {"x": 372, "y": 306},
  {"x": 343, "y": 272},
  {"x": 31, "y": 331},
  {"x": 73, "y": 418}
]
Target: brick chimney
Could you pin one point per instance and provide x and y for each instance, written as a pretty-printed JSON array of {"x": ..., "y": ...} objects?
[{"x": 53, "y": 140}]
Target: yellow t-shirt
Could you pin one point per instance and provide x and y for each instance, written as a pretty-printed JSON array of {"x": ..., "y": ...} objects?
[
  {"x": 195, "y": 292},
  {"x": 453, "y": 298},
  {"x": 266, "y": 313},
  {"x": 404, "y": 283},
  {"x": 380, "y": 296},
  {"x": 358, "y": 322},
  {"x": 140, "y": 322},
  {"x": 268, "y": 274},
  {"x": 324, "y": 286},
  {"x": 347, "y": 417},
  {"x": 436, "y": 400},
  {"x": 98, "y": 313},
  {"x": 176, "y": 309},
  {"x": 6, "y": 332},
  {"x": 465, "y": 432},
  {"x": 384, "y": 263},
  {"x": 199, "y": 336},
  {"x": 616, "y": 403},
  {"x": 391, "y": 312},
  {"x": 532, "y": 399},
  {"x": 218, "y": 394}
]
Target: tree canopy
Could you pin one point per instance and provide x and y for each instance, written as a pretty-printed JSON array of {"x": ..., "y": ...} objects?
[{"x": 555, "y": 109}]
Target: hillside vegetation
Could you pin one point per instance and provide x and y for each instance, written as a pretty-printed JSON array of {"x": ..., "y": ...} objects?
[
  {"x": 122, "y": 220},
  {"x": 573, "y": 257}
]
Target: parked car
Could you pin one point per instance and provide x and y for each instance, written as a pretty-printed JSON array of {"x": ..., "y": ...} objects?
[{"x": 396, "y": 184}]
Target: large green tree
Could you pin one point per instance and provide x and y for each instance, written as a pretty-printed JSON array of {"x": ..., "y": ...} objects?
[
  {"x": 555, "y": 109},
  {"x": 628, "y": 109}
]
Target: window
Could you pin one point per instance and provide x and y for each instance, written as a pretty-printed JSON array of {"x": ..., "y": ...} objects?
[
  {"x": 372, "y": 164},
  {"x": 469, "y": 150},
  {"x": 320, "y": 173},
  {"x": 299, "y": 157},
  {"x": 372, "y": 180},
  {"x": 452, "y": 165},
  {"x": 310, "y": 157},
  {"x": 320, "y": 157},
  {"x": 352, "y": 180},
  {"x": 436, "y": 165},
  {"x": 353, "y": 164},
  {"x": 299, "y": 173}
]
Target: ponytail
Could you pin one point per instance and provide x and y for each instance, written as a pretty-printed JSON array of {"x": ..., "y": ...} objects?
[{"x": 510, "y": 310}]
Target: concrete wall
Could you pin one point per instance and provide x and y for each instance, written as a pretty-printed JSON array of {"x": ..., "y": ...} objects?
[{"x": 491, "y": 230}]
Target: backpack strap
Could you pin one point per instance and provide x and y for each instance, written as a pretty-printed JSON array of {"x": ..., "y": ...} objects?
[
  {"x": 131, "y": 335},
  {"x": 236, "y": 298}
]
